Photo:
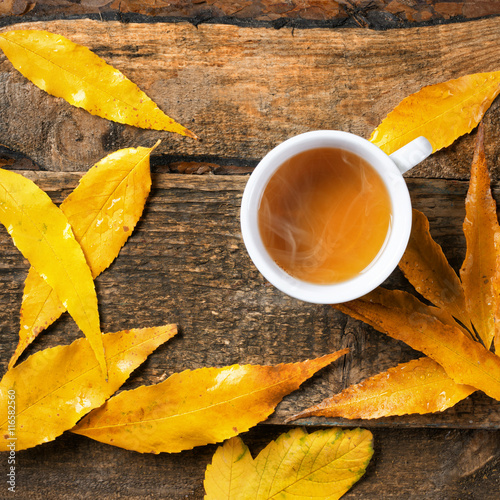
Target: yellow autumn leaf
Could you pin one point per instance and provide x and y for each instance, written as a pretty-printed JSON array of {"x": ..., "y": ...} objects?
[
  {"x": 230, "y": 472},
  {"x": 419, "y": 386},
  {"x": 44, "y": 236},
  {"x": 73, "y": 72},
  {"x": 464, "y": 360},
  {"x": 427, "y": 269},
  {"x": 55, "y": 387},
  {"x": 195, "y": 408},
  {"x": 102, "y": 211},
  {"x": 322, "y": 465},
  {"x": 479, "y": 269},
  {"x": 441, "y": 113}
]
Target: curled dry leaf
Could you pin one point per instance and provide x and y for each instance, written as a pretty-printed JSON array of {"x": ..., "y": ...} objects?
[
  {"x": 55, "y": 387},
  {"x": 479, "y": 269},
  {"x": 427, "y": 269},
  {"x": 44, "y": 236},
  {"x": 103, "y": 211},
  {"x": 441, "y": 113},
  {"x": 496, "y": 285},
  {"x": 198, "y": 407},
  {"x": 419, "y": 386},
  {"x": 323, "y": 464},
  {"x": 464, "y": 360},
  {"x": 73, "y": 72},
  {"x": 403, "y": 301}
]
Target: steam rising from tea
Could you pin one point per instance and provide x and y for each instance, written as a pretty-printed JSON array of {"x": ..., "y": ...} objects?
[{"x": 324, "y": 215}]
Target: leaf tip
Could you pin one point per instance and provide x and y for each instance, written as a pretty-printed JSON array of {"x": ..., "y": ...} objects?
[{"x": 188, "y": 133}]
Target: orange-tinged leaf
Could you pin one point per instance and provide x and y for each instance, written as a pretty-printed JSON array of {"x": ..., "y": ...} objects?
[
  {"x": 44, "y": 236},
  {"x": 464, "y": 360},
  {"x": 103, "y": 211},
  {"x": 198, "y": 407},
  {"x": 73, "y": 72},
  {"x": 427, "y": 269},
  {"x": 496, "y": 284},
  {"x": 478, "y": 272},
  {"x": 441, "y": 112},
  {"x": 55, "y": 387},
  {"x": 419, "y": 386},
  {"x": 324, "y": 464},
  {"x": 405, "y": 302}
]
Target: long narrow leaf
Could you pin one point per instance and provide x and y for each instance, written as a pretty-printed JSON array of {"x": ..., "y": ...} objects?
[
  {"x": 464, "y": 360},
  {"x": 198, "y": 407},
  {"x": 71, "y": 71},
  {"x": 44, "y": 236},
  {"x": 419, "y": 386},
  {"x": 54, "y": 388},
  {"x": 442, "y": 112},
  {"x": 427, "y": 269},
  {"x": 479, "y": 268},
  {"x": 103, "y": 211}
]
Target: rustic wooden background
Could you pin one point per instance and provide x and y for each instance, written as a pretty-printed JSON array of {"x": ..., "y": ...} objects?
[{"x": 244, "y": 76}]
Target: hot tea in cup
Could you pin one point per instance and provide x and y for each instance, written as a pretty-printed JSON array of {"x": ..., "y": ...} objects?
[{"x": 326, "y": 215}]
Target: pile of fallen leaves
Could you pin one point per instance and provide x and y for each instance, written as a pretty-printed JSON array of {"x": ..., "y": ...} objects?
[{"x": 70, "y": 245}]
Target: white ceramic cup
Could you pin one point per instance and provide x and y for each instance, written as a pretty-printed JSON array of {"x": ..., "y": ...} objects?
[{"x": 389, "y": 167}]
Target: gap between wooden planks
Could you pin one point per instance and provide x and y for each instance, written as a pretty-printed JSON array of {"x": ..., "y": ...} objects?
[
  {"x": 186, "y": 264},
  {"x": 244, "y": 90}
]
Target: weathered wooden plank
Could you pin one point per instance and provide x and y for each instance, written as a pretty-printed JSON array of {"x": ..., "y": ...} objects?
[
  {"x": 244, "y": 90},
  {"x": 408, "y": 463},
  {"x": 380, "y": 14},
  {"x": 186, "y": 263}
]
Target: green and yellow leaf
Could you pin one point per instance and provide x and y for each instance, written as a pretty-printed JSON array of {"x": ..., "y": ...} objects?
[
  {"x": 55, "y": 387},
  {"x": 198, "y": 407},
  {"x": 441, "y": 113},
  {"x": 419, "y": 386},
  {"x": 324, "y": 464},
  {"x": 103, "y": 211},
  {"x": 230, "y": 473},
  {"x": 73, "y": 72},
  {"x": 44, "y": 236}
]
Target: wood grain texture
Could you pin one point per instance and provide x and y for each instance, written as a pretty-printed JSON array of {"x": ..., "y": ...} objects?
[
  {"x": 408, "y": 463},
  {"x": 186, "y": 264},
  {"x": 244, "y": 90},
  {"x": 381, "y": 14}
]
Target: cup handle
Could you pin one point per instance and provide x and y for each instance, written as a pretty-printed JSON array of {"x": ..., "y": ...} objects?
[{"x": 411, "y": 154}]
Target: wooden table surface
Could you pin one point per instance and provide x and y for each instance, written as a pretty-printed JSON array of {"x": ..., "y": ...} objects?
[{"x": 244, "y": 76}]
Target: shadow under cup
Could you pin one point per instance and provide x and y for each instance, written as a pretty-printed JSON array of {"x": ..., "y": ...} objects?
[{"x": 391, "y": 249}]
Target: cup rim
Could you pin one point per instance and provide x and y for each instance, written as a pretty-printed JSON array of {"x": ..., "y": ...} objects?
[{"x": 389, "y": 256}]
